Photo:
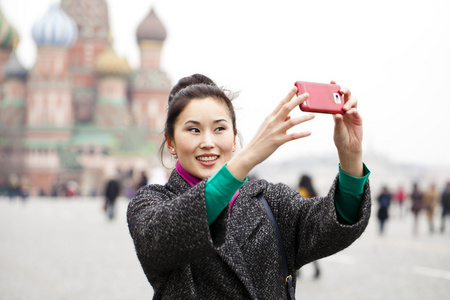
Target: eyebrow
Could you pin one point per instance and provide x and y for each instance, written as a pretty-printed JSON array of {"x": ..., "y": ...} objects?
[{"x": 198, "y": 123}]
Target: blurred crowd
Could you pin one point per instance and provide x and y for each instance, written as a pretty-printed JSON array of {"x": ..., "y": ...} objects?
[
  {"x": 429, "y": 201},
  {"x": 123, "y": 184},
  {"x": 18, "y": 187}
]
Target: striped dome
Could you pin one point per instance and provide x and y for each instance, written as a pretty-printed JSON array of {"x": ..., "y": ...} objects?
[
  {"x": 7, "y": 33},
  {"x": 151, "y": 28},
  {"x": 13, "y": 68},
  {"x": 56, "y": 28},
  {"x": 109, "y": 63}
]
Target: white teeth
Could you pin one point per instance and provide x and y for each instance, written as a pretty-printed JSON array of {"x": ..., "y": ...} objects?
[{"x": 207, "y": 158}]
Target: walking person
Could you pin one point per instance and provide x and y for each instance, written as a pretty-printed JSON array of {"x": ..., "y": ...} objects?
[
  {"x": 445, "y": 204},
  {"x": 24, "y": 188},
  {"x": 13, "y": 186},
  {"x": 143, "y": 180},
  {"x": 112, "y": 191},
  {"x": 417, "y": 204},
  {"x": 206, "y": 233},
  {"x": 430, "y": 201},
  {"x": 400, "y": 197},
  {"x": 384, "y": 201}
]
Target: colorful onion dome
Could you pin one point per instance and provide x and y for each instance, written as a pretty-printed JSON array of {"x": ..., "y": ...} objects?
[
  {"x": 7, "y": 33},
  {"x": 109, "y": 63},
  {"x": 13, "y": 68},
  {"x": 56, "y": 28},
  {"x": 151, "y": 28}
]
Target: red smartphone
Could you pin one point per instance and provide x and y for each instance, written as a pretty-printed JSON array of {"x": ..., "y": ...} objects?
[{"x": 323, "y": 97}]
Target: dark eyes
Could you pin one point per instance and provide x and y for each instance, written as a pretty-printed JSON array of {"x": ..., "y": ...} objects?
[{"x": 196, "y": 130}]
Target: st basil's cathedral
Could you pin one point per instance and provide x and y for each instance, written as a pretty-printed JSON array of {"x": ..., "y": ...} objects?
[{"x": 80, "y": 114}]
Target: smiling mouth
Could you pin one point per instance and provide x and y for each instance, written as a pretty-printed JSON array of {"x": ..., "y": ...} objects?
[{"x": 207, "y": 158}]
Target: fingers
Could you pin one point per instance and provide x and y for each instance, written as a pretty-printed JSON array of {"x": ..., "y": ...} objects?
[
  {"x": 338, "y": 120},
  {"x": 285, "y": 100},
  {"x": 281, "y": 113},
  {"x": 347, "y": 94},
  {"x": 298, "y": 135},
  {"x": 291, "y": 122},
  {"x": 289, "y": 103},
  {"x": 289, "y": 106},
  {"x": 350, "y": 102},
  {"x": 351, "y": 116}
]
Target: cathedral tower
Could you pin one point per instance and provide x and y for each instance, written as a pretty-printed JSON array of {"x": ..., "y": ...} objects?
[
  {"x": 150, "y": 85},
  {"x": 112, "y": 102},
  {"x": 49, "y": 102},
  {"x": 12, "y": 116},
  {"x": 91, "y": 17},
  {"x": 7, "y": 36}
]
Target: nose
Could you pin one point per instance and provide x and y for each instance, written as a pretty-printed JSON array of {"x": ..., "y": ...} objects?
[{"x": 207, "y": 141}]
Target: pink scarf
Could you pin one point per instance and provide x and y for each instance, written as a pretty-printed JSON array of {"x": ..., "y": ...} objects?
[{"x": 192, "y": 180}]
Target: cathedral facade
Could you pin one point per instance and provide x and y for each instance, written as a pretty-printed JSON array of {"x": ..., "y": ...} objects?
[{"x": 80, "y": 114}]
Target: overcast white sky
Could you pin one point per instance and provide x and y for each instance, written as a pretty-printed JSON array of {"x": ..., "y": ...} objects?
[{"x": 393, "y": 55}]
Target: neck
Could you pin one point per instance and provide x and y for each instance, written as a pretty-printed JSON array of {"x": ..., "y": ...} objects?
[{"x": 190, "y": 179}]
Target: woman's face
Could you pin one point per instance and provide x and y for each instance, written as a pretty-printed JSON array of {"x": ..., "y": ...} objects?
[{"x": 204, "y": 138}]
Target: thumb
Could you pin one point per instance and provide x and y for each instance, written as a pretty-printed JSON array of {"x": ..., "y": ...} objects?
[{"x": 338, "y": 121}]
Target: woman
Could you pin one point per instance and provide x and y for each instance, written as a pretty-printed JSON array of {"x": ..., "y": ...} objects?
[{"x": 204, "y": 234}]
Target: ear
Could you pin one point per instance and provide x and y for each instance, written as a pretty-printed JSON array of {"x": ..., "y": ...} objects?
[
  {"x": 234, "y": 144},
  {"x": 170, "y": 145}
]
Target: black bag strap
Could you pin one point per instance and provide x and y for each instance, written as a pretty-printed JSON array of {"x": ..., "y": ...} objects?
[{"x": 287, "y": 276}]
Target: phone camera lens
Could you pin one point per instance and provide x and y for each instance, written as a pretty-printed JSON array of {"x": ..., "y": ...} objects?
[{"x": 337, "y": 98}]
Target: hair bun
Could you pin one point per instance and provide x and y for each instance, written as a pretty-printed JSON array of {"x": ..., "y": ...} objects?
[{"x": 187, "y": 81}]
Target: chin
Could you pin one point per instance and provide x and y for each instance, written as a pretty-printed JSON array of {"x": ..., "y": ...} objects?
[
  {"x": 204, "y": 175},
  {"x": 208, "y": 173}
]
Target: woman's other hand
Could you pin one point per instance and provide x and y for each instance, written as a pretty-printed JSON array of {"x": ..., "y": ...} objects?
[{"x": 348, "y": 134}]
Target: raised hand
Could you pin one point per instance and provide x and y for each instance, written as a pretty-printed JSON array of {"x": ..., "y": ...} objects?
[
  {"x": 348, "y": 134},
  {"x": 271, "y": 134}
]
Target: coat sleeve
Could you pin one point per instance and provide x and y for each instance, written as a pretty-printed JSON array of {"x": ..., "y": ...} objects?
[
  {"x": 171, "y": 230},
  {"x": 310, "y": 226}
]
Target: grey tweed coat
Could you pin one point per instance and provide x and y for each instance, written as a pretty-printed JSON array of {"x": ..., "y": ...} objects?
[{"x": 237, "y": 256}]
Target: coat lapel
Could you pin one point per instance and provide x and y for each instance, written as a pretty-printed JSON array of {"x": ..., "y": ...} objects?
[{"x": 244, "y": 220}]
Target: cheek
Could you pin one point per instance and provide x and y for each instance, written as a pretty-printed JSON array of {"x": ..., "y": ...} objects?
[
  {"x": 184, "y": 142},
  {"x": 227, "y": 145},
  {"x": 187, "y": 146}
]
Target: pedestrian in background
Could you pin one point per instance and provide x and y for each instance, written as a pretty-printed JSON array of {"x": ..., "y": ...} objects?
[
  {"x": 206, "y": 233},
  {"x": 24, "y": 188},
  {"x": 307, "y": 190},
  {"x": 430, "y": 202},
  {"x": 143, "y": 180},
  {"x": 400, "y": 197},
  {"x": 13, "y": 186},
  {"x": 384, "y": 201},
  {"x": 112, "y": 191},
  {"x": 445, "y": 204},
  {"x": 417, "y": 204}
]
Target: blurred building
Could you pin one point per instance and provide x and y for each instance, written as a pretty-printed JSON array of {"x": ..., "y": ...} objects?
[{"x": 81, "y": 113}]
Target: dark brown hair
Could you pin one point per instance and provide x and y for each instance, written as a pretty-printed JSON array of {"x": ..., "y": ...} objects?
[{"x": 196, "y": 86}]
